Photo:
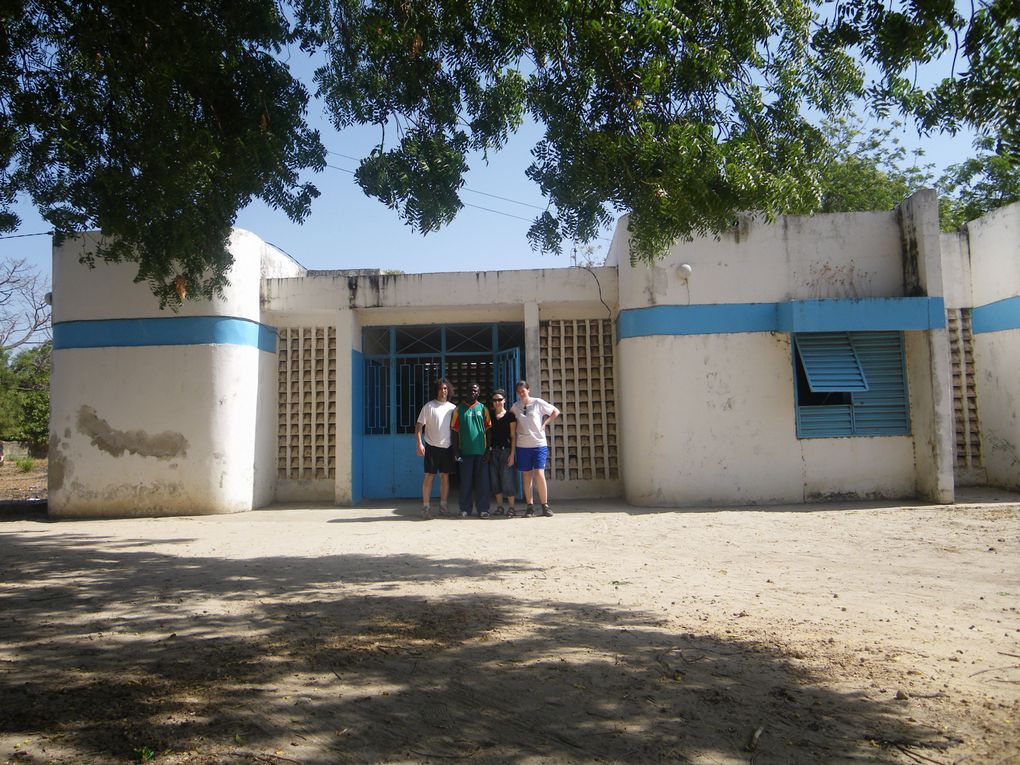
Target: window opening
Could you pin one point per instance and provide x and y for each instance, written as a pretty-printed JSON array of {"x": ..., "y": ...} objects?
[{"x": 850, "y": 384}]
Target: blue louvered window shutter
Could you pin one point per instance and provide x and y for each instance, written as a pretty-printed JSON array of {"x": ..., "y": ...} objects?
[
  {"x": 831, "y": 363},
  {"x": 868, "y": 369},
  {"x": 882, "y": 410}
]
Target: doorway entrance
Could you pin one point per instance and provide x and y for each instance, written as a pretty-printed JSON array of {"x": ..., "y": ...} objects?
[{"x": 401, "y": 364}]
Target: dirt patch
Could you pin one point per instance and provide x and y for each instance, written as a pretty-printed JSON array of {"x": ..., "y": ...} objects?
[
  {"x": 18, "y": 485},
  {"x": 604, "y": 634}
]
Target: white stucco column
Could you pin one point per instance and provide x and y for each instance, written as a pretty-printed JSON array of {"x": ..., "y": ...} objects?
[
  {"x": 533, "y": 352},
  {"x": 348, "y": 340},
  {"x": 929, "y": 365}
]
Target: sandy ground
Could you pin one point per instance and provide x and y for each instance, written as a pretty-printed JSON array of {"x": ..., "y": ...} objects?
[
  {"x": 20, "y": 485},
  {"x": 843, "y": 633}
]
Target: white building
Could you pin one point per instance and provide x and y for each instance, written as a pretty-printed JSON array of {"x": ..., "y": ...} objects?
[{"x": 858, "y": 355}]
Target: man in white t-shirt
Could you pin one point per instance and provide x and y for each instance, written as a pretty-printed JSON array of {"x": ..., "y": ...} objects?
[
  {"x": 532, "y": 449},
  {"x": 434, "y": 426}
]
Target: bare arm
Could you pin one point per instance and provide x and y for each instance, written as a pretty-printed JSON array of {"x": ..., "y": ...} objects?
[
  {"x": 552, "y": 416},
  {"x": 417, "y": 434}
]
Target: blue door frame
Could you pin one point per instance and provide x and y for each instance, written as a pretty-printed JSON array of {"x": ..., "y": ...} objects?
[{"x": 395, "y": 386}]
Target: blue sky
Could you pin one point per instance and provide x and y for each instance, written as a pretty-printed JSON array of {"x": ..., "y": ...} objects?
[{"x": 346, "y": 229}]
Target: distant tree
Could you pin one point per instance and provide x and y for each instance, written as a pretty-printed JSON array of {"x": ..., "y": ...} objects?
[
  {"x": 977, "y": 186},
  {"x": 156, "y": 123},
  {"x": 10, "y": 410},
  {"x": 872, "y": 170},
  {"x": 867, "y": 170},
  {"x": 25, "y": 395},
  {"x": 24, "y": 312}
]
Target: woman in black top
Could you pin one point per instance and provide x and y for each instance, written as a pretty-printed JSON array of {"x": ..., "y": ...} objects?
[{"x": 503, "y": 435}]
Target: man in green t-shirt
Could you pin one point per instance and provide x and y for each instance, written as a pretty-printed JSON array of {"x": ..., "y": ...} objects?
[{"x": 470, "y": 427}]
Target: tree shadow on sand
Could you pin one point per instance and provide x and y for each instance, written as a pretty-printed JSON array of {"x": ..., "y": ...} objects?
[{"x": 111, "y": 652}]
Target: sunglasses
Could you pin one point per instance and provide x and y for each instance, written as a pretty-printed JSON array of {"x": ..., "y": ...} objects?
[{"x": 497, "y": 399}]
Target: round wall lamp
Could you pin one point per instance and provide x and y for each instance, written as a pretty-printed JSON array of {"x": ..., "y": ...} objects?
[{"x": 684, "y": 271}]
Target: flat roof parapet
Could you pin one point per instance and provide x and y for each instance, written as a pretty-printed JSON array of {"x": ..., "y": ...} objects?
[{"x": 351, "y": 272}]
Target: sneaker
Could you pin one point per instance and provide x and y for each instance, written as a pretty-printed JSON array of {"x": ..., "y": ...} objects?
[
  {"x": 442, "y": 508},
  {"x": 530, "y": 512},
  {"x": 483, "y": 514},
  {"x": 426, "y": 513},
  {"x": 546, "y": 511},
  {"x": 500, "y": 511},
  {"x": 464, "y": 514}
]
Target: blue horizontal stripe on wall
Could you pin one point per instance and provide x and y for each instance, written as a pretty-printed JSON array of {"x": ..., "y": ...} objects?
[
  {"x": 864, "y": 315},
  {"x": 171, "y": 330},
  {"x": 696, "y": 319},
  {"x": 867, "y": 314},
  {"x": 997, "y": 316}
]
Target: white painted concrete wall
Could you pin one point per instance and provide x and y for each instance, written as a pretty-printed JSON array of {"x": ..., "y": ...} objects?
[
  {"x": 994, "y": 242},
  {"x": 995, "y": 254},
  {"x": 158, "y": 430},
  {"x": 956, "y": 269},
  {"x": 152, "y": 431},
  {"x": 852, "y": 255},
  {"x": 417, "y": 297},
  {"x": 722, "y": 430}
]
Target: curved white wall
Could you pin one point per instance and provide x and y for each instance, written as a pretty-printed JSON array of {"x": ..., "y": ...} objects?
[{"x": 160, "y": 416}]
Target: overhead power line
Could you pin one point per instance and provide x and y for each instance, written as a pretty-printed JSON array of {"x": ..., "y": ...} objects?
[
  {"x": 22, "y": 236},
  {"x": 466, "y": 204},
  {"x": 466, "y": 188}
]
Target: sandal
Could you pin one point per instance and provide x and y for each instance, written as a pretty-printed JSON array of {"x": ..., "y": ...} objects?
[
  {"x": 426, "y": 513},
  {"x": 530, "y": 512},
  {"x": 511, "y": 513}
]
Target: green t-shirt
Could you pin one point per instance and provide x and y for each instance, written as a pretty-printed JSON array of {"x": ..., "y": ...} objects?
[{"x": 471, "y": 422}]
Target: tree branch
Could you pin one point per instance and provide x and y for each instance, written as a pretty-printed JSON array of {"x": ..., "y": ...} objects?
[{"x": 24, "y": 311}]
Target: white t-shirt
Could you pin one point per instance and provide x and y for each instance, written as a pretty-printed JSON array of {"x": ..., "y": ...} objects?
[
  {"x": 436, "y": 416},
  {"x": 530, "y": 432}
]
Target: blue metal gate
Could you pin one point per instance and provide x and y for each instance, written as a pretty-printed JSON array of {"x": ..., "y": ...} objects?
[
  {"x": 401, "y": 364},
  {"x": 507, "y": 372}
]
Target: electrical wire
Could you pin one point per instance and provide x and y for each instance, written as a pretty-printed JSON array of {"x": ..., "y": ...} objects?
[
  {"x": 599, "y": 285},
  {"x": 466, "y": 204},
  {"x": 21, "y": 236},
  {"x": 473, "y": 191}
]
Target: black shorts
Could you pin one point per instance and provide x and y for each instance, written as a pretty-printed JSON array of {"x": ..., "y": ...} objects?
[{"x": 438, "y": 460}]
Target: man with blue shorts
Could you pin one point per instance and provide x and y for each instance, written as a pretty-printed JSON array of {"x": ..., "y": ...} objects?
[{"x": 533, "y": 416}]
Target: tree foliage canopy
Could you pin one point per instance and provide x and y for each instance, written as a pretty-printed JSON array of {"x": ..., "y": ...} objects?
[
  {"x": 25, "y": 395},
  {"x": 157, "y": 123}
]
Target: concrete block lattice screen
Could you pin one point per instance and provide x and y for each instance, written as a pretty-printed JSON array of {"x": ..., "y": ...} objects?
[
  {"x": 306, "y": 434},
  {"x": 578, "y": 377},
  {"x": 965, "y": 411}
]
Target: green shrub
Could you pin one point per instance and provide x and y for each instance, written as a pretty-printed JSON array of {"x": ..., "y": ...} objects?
[{"x": 25, "y": 464}]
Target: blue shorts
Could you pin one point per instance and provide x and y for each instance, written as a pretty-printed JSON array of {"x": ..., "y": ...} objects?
[{"x": 532, "y": 458}]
